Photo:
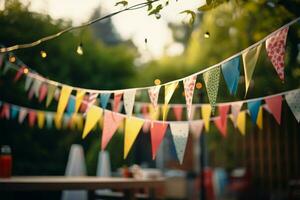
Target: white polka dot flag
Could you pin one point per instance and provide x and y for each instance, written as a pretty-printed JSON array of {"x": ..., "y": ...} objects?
[
  {"x": 293, "y": 100},
  {"x": 189, "y": 86},
  {"x": 275, "y": 47},
  {"x": 129, "y": 97},
  {"x": 180, "y": 131}
]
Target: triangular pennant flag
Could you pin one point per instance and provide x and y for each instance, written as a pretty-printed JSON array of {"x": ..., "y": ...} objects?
[
  {"x": 49, "y": 120},
  {"x": 165, "y": 111},
  {"x": 14, "y": 111},
  {"x": 66, "y": 121},
  {"x": 275, "y": 46},
  {"x": 293, "y": 100},
  {"x": 111, "y": 122},
  {"x": 5, "y": 113},
  {"x": 19, "y": 73},
  {"x": 92, "y": 117},
  {"x": 71, "y": 106},
  {"x": 153, "y": 95},
  {"x": 241, "y": 122},
  {"x": 28, "y": 82},
  {"x": 63, "y": 100},
  {"x": 206, "y": 112},
  {"x": 223, "y": 110},
  {"x": 177, "y": 109},
  {"x": 253, "y": 107},
  {"x": 117, "y": 99},
  {"x": 169, "y": 90},
  {"x": 8, "y": 65},
  {"x": 196, "y": 128},
  {"x": 153, "y": 114},
  {"x": 31, "y": 118},
  {"x": 222, "y": 126},
  {"x": 129, "y": 97},
  {"x": 259, "y": 120},
  {"x": 231, "y": 73},
  {"x": 180, "y": 133},
  {"x": 157, "y": 130},
  {"x": 133, "y": 126},
  {"x": 22, "y": 114},
  {"x": 275, "y": 104},
  {"x": 104, "y": 98},
  {"x": 250, "y": 58},
  {"x": 78, "y": 99},
  {"x": 50, "y": 94},
  {"x": 57, "y": 121},
  {"x": 41, "y": 119},
  {"x": 189, "y": 86},
  {"x": 212, "y": 79},
  {"x": 137, "y": 108},
  {"x": 36, "y": 87},
  {"x": 92, "y": 98},
  {"x": 146, "y": 126},
  {"x": 43, "y": 92},
  {"x": 235, "y": 110}
]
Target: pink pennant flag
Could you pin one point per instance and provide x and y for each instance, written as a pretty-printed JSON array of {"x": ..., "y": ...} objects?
[
  {"x": 146, "y": 126},
  {"x": 111, "y": 123},
  {"x": 43, "y": 92},
  {"x": 145, "y": 110},
  {"x": 117, "y": 99},
  {"x": 19, "y": 73},
  {"x": 222, "y": 127},
  {"x": 189, "y": 86},
  {"x": 153, "y": 95},
  {"x": 22, "y": 114},
  {"x": 275, "y": 47},
  {"x": 196, "y": 128},
  {"x": 31, "y": 118},
  {"x": 235, "y": 110},
  {"x": 275, "y": 104},
  {"x": 157, "y": 131},
  {"x": 177, "y": 109},
  {"x": 91, "y": 100},
  {"x": 5, "y": 113},
  {"x": 223, "y": 110}
]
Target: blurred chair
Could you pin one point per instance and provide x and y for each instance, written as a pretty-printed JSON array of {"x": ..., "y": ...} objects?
[{"x": 75, "y": 167}]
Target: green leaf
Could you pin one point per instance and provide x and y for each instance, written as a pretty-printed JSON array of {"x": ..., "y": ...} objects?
[
  {"x": 150, "y": 6},
  {"x": 123, "y": 3},
  {"x": 155, "y": 10}
]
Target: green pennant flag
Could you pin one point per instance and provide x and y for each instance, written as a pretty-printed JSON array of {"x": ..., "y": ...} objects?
[
  {"x": 212, "y": 79},
  {"x": 250, "y": 58}
]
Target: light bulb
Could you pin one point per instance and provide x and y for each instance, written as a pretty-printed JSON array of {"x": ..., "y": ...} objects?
[
  {"x": 25, "y": 70},
  {"x": 157, "y": 82},
  {"x": 79, "y": 49},
  {"x": 198, "y": 85},
  {"x": 207, "y": 35},
  {"x": 12, "y": 59},
  {"x": 43, "y": 54}
]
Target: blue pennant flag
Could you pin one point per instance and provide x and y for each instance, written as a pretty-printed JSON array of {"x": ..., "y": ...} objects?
[
  {"x": 253, "y": 107},
  {"x": 231, "y": 73},
  {"x": 14, "y": 112},
  {"x": 104, "y": 98},
  {"x": 71, "y": 106}
]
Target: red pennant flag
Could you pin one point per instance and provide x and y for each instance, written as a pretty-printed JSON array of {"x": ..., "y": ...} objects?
[
  {"x": 177, "y": 112},
  {"x": 117, "y": 99},
  {"x": 274, "y": 105},
  {"x": 222, "y": 127},
  {"x": 43, "y": 92},
  {"x": 31, "y": 118},
  {"x": 145, "y": 110},
  {"x": 19, "y": 73},
  {"x": 5, "y": 111},
  {"x": 223, "y": 110},
  {"x": 157, "y": 131},
  {"x": 111, "y": 123}
]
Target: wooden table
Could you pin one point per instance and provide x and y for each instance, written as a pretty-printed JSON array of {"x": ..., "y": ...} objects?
[{"x": 52, "y": 183}]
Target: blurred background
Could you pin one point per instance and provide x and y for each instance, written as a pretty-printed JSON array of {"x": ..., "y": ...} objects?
[{"x": 133, "y": 49}]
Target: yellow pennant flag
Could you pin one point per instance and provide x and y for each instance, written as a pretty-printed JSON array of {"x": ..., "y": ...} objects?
[
  {"x": 92, "y": 117},
  {"x": 63, "y": 100},
  {"x": 78, "y": 99},
  {"x": 259, "y": 120},
  {"x": 165, "y": 111},
  {"x": 169, "y": 90},
  {"x": 206, "y": 112},
  {"x": 133, "y": 126},
  {"x": 154, "y": 113},
  {"x": 241, "y": 122},
  {"x": 250, "y": 59},
  {"x": 57, "y": 121},
  {"x": 41, "y": 119},
  {"x": 79, "y": 122}
]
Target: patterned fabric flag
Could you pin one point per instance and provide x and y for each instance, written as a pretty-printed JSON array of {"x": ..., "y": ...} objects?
[
  {"x": 41, "y": 119},
  {"x": 91, "y": 100},
  {"x": 231, "y": 73},
  {"x": 177, "y": 109},
  {"x": 129, "y": 97},
  {"x": 241, "y": 122},
  {"x": 117, "y": 99},
  {"x": 180, "y": 133},
  {"x": 275, "y": 104},
  {"x": 211, "y": 79},
  {"x": 31, "y": 118},
  {"x": 196, "y": 128},
  {"x": 275, "y": 46},
  {"x": 104, "y": 98},
  {"x": 169, "y": 90},
  {"x": 78, "y": 99},
  {"x": 63, "y": 100},
  {"x": 157, "y": 132},
  {"x": 250, "y": 58},
  {"x": 92, "y": 117},
  {"x": 259, "y": 120},
  {"x": 253, "y": 107},
  {"x": 133, "y": 126},
  {"x": 206, "y": 112},
  {"x": 293, "y": 100},
  {"x": 35, "y": 89},
  {"x": 43, "y": 92},
  {"x": 189, "y": 86},
  {"x": 111, "y": 123},
  {"x": 22, "y": 115},
  {"x": 50, "y": 94},
  {"x": 28, "y": 82},
  {"x": 235, "y": 110},
  {"x": 223, "y": 110},
  {"x": 222, "y": 126},
  {"x": 153, "y": 95}
]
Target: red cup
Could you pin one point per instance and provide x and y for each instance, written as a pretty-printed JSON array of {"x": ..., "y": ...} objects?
[{"x": 5, "y": 162}]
